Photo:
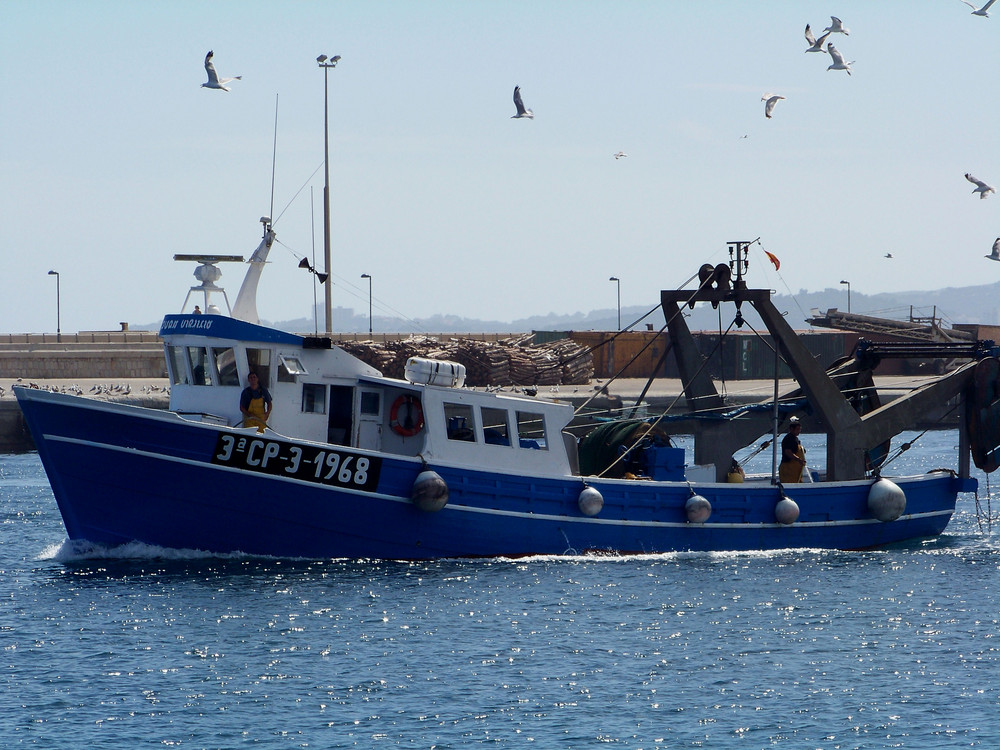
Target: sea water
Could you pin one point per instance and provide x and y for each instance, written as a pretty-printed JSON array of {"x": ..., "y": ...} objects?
[{"x": 142, "y": 647}]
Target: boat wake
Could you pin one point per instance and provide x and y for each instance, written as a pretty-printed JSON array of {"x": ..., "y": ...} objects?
[{"x": 74, "y": 551}]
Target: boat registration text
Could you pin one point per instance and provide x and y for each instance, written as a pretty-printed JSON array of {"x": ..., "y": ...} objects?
[{"x": 307, "y": 462}]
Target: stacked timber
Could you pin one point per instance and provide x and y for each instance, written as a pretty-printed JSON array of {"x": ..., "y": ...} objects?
[
  {"x": 576, "y": 363},
  {"x": 514, "y": 361},
  {"x": 370, "y": 353},
  {"x": 485, "y": 363}
]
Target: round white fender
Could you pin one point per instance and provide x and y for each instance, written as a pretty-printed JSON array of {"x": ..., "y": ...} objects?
[
  {"x": 430, "y": 492},
  {"x": 591, "y": 501},
  {"x": 698, "y": 509},
  {"x": 886, "y": 500},
  {"x": 786, "y": 511}
]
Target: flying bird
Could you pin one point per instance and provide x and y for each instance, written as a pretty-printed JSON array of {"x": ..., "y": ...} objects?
[
  {"x": 995, "y": 255},
  {"x": 837, "y": 27},
  {"x": 817, "y": 44},
  {"x": 522, "y": 111},
  {"x": 888, "y": 255},
  {"x": 981, "y": 12},
  {"x": 981, "y": 187},
  {"x": 838, "y": 59},
  {"x": 771, "y": 100},
  {"x": 620, "y": 155},
  {"x": 214, "y": 81}
]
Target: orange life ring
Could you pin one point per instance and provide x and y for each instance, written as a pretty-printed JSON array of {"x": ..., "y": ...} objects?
[{"x": 412, "y": 416}]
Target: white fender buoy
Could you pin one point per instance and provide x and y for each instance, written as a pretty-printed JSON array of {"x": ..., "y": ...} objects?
[
  {"x": 786, "y": 511},
  {"x": 697, "y": 508},
  {"x": 886, "y": 500},
  {"x": 591, "y": 501},
  {"x": 430, "y": 492}
]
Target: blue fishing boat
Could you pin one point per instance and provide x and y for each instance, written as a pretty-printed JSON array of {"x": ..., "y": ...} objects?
[{"x": 352, "y": 464}]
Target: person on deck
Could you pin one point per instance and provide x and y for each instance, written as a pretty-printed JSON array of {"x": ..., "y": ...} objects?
[
  {"x": 255, "y": 403},
  {"x": 793, "y": 455}
]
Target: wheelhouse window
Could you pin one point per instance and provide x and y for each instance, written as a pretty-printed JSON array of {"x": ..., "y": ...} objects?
[
  {"x": 314, "y": 398},
  {"x": 200, "y": 363},
  {"x": 289, "y": 367},
  {"x": 260, "y": 362},
  {"x": 460, "y": 422},
  {"x": 495, "y": 431},
  {"x": 225, "y": 365},
  {"x": 531, "y": 430},
  {"x": 178, "y": 366}
]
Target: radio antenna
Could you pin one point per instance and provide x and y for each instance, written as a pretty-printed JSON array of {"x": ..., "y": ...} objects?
[{"x": 274, "y": 152}]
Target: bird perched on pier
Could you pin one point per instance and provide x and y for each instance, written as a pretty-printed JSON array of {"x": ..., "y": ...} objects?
[
  {"x": 981, "y": 187},
  {"x": 837, "y": 27},
  {"x": 771, "y": 100},
  {"x": 838, "y": 60},
  {"x": 981, "y": 11},
  {"x": 995, "y": 255},
  {"x": 522, "y": 111},
  {"x": 816, "y": 44},
  {"x": 214, "y": 82}
]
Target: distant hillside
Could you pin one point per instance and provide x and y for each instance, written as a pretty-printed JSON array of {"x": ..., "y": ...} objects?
[{"x": 971, "y": 304}]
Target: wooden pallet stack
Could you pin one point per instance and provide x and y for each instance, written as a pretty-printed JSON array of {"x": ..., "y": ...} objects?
[
  {"x": 514, "y": 361},
  {"x": 485, "y": 363},
  {"x": 576, "y": 362}
]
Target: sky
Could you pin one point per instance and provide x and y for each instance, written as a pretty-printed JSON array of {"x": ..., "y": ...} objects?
[{"x": 113, "y": 158}]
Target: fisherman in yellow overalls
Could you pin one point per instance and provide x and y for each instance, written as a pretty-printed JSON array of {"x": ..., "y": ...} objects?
[
  {"x": 255, "y": 403},
  {"x": 793, "y": 455}
]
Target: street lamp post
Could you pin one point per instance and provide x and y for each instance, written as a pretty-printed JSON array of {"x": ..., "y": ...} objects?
[
  {"x": 848, "y": 294},
  {"x": 326, "y": 64},
  {"x": 366, "y": 276},
  {"x": 619, "y": 284},
  {"x": 58, "y": 311}
]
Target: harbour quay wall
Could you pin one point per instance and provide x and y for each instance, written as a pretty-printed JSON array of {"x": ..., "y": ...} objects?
[{"x": 113, "y": 355}]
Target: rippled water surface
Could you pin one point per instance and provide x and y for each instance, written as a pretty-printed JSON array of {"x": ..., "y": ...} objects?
[{"x": 142, "y": 647}]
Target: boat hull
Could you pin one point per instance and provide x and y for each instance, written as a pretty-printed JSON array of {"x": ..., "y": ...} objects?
[{"x": 122, "y": 474}]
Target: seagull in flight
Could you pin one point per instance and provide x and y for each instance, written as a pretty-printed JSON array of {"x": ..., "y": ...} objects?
[
  {"x": 817, "y": 44},
  {"x": 837, "y": 27},
  {"x": 522, "y": 111},
  {"x": 213, "y": 78},
  {"x": 996, "y": 251},
  {"x": 771, "y": 100},
  {"x": 620, "y": 155},
  {"x": 981, "y": 187},
  {"x": 838, "y": 59},
  {"x": 981, "y": 12}
]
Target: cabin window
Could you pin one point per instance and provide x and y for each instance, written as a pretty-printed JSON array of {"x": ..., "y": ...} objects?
[
  {"x": 371, "y": 403},
  {"x": 293, "y": 365},
  {"x": 225, "y": 365},
  {"x": 284, "y": 376},
  {"x": 314, "y": 398},
  {"x": 531, "y": 430},
  {"x": 178, "y": 366},
  {"x": 199, "y": 365},
  {"x": 460, "y": 422},
  {"x": 495, "y": 430},
  {"x": 260, "y": 362}
]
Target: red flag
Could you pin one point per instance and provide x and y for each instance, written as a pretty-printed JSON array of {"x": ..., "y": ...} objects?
[{"x": 773, "y": 259}]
